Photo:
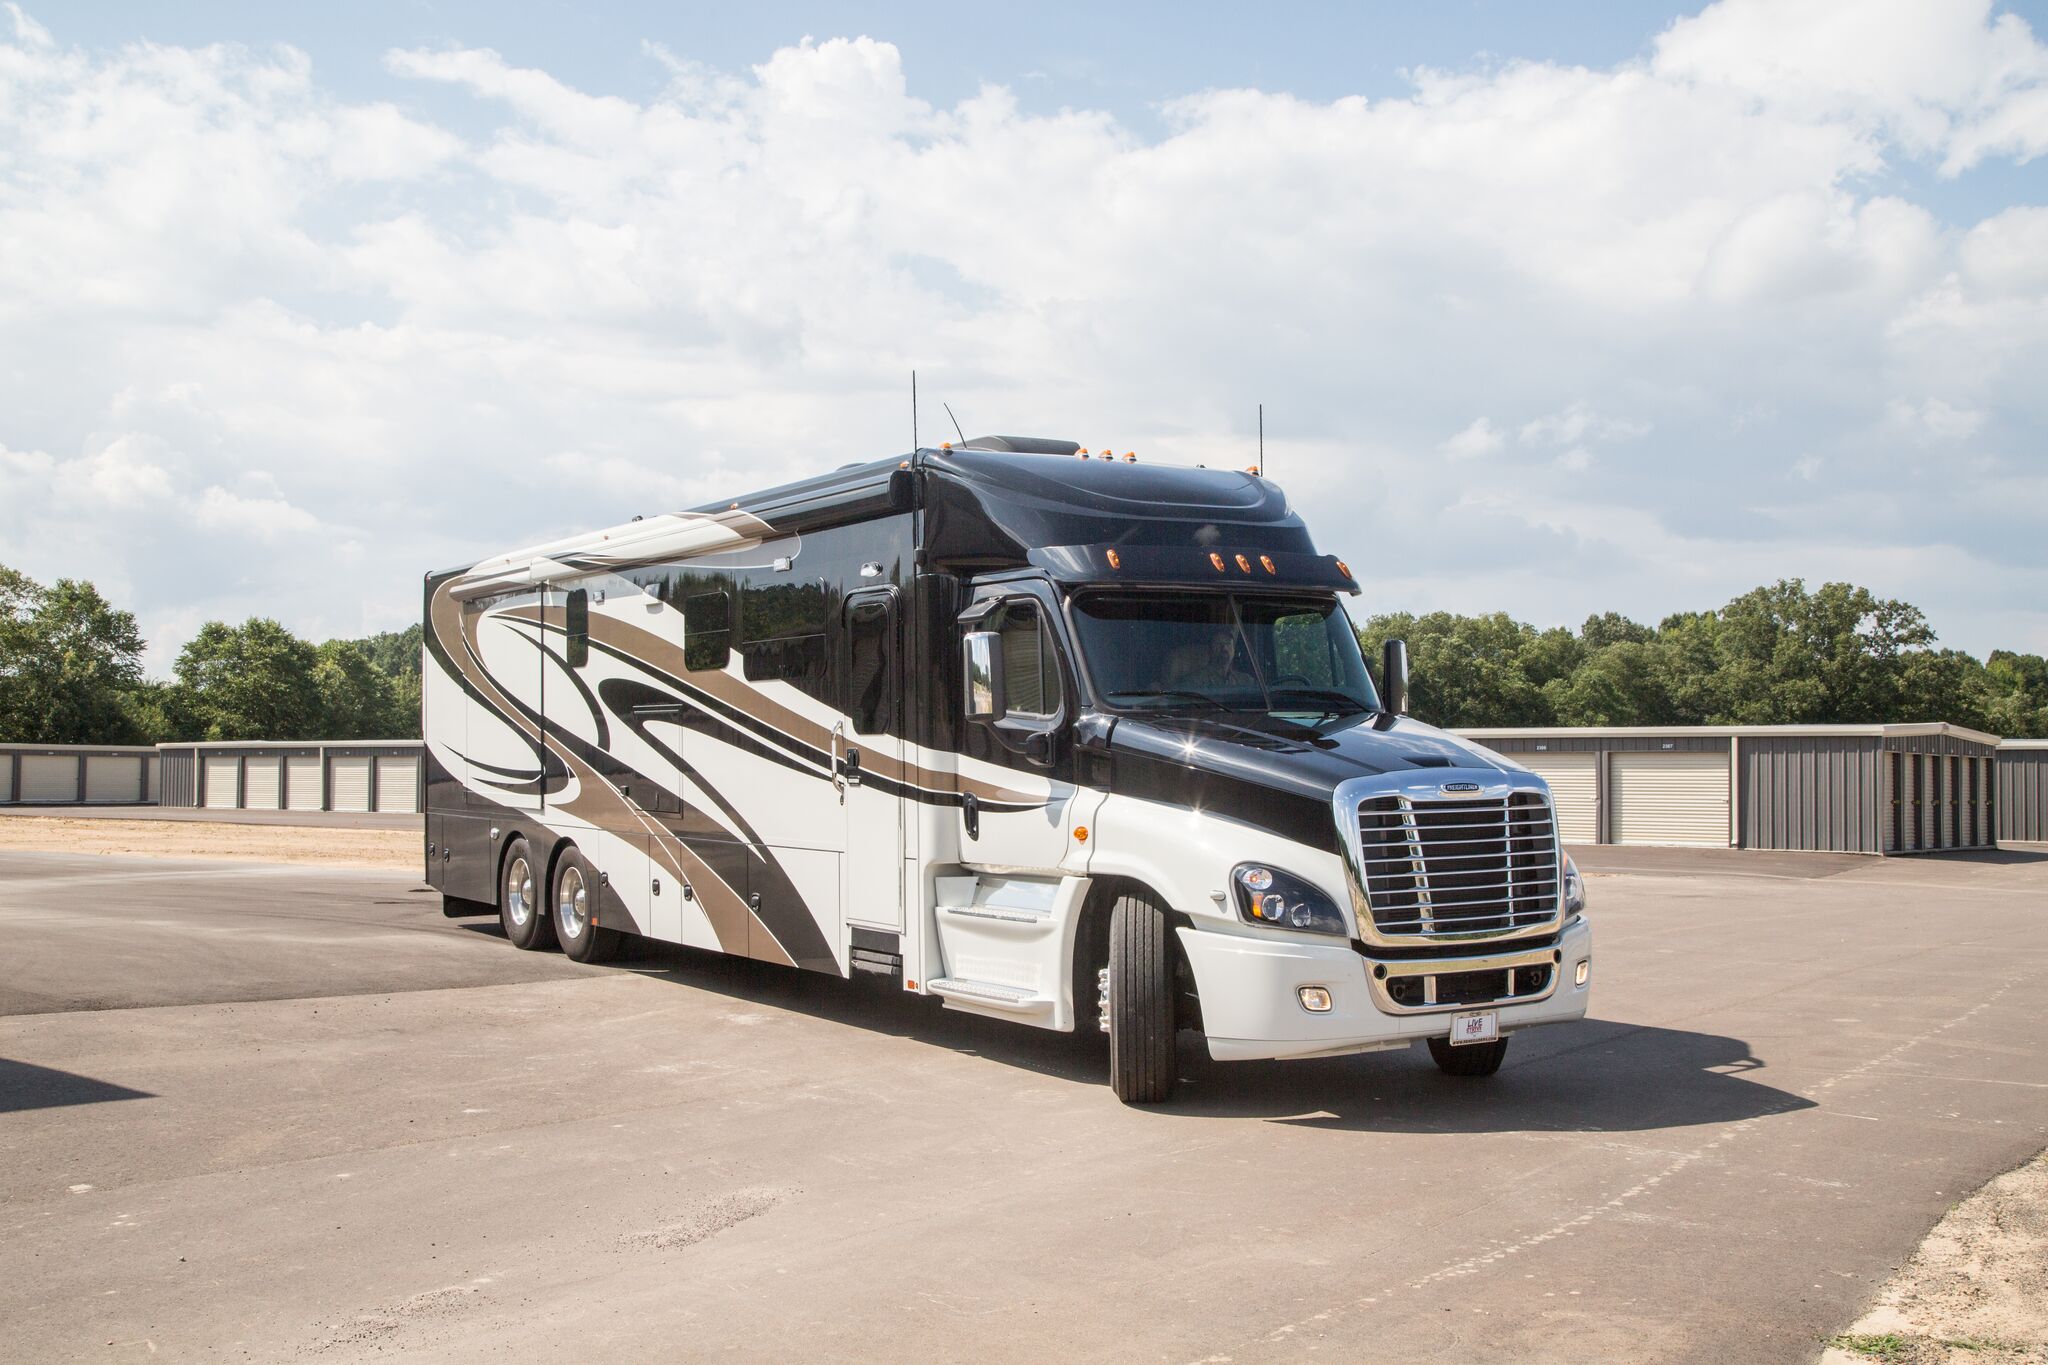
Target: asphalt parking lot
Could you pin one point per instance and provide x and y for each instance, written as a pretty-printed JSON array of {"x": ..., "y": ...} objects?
[{"x": 280, "y": 1113}]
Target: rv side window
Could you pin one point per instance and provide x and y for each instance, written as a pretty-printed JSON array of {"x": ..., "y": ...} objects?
[
  {"x": 576, "y": 625},
  {"x": 1031, "y": 671},
  {"x": 707, "y": 631},
  {"x": 871, "y": 665}
]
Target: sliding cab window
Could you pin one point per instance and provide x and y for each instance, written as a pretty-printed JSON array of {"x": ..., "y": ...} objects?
[
  {"x": 1031, "y": 670},
  {"x": 576, "y": 626},
  {"x": 707, "y": 631}
]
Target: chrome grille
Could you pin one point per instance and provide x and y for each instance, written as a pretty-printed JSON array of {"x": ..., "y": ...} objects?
[{"x": 1449, "y": 869}]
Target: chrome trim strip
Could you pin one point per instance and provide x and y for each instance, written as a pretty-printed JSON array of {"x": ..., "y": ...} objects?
[
  {"x": 1425, "y": 787},
  {"x": 1379, "y": 973}
]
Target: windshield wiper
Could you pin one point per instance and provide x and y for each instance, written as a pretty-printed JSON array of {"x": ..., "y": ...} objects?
[
  {"x": 1327, "y": 699},
  {"x": 1167, "y": 694}
]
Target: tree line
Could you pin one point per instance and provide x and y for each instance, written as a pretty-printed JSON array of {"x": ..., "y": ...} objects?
[
  {"x": 71, "y": 673},
  {"x": 1777, "y": 655}
]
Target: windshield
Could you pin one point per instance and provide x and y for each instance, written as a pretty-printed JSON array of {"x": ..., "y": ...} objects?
[{"x": 1295, "y": 657}]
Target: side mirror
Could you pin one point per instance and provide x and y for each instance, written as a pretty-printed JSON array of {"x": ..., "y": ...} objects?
[
  {"x": 1394, "y": 677},
  {"x": 982, "y": 656}
]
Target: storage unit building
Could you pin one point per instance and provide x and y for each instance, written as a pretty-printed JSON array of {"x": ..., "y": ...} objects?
[
  {"x": 1835, "y": 788},
  {"x": 382, "y": 776},
  {"x": 77, "y": 774}
]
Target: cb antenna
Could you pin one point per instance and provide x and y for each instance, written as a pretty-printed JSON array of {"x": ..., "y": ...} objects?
[
  {"x": 956, "y": 423},
  {"x": 913, "y": 410},
  {"x": 1262, "y": 440}
]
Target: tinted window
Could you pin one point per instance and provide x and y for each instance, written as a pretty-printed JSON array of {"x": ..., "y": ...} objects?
[
  {"x": 871, "y": 665},
  {"x": 576, "y": 625},
  {"x": 707, "y": 631}
]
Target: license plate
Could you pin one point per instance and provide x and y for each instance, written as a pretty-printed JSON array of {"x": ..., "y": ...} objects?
[{"x": 1480, "y": 1026}]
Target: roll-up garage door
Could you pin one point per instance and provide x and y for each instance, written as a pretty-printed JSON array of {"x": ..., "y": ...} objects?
[
  {"x": 49, "y": 777},
  {"x": 302, "y": 782},
  {"x": 398, "y": 785},
  {"x": 223, "y": 784},
  {"x": 261, "y": 778},
  {"x": 113, "y": 778},
  {"x": 351, "y": 783},
  {"x": 1669, "y": 798},
  {"x": 1573, "y": 788}
]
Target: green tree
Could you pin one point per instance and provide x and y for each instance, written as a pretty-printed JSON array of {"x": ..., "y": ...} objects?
[
  {"x": 1624, "y": 684},
  {"x": 252, "y": 681},
  {"x": 1468, "y": 670},
  {"x": 68, "y": 660}
]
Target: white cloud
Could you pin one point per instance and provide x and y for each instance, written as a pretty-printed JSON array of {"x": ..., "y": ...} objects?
[
  {"x": 579, "y": 306},
  {"x": 1481, "y": 438}
]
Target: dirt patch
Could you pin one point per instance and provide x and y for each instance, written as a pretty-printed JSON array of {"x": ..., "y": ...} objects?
[
  {"x": 1976, "y": 1290},
  {"x": 399, "y": 848},
  {"x": 707, "y": 1220}
]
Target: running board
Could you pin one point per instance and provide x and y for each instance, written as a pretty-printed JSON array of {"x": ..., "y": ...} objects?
[{"x": 989, "y": 996}]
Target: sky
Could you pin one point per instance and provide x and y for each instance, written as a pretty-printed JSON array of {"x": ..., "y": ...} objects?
[{"x": 1552, "y": 311}]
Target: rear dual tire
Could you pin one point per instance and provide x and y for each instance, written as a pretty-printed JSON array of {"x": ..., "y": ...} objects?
[
  {"x": 521, "y": 908},
  {"x": 575, "y": 911}
]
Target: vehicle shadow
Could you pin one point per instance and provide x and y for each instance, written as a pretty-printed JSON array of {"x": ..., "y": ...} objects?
[
  {"x": 1595, "y": 1075},
  {"x": 24, "y": 1085}
]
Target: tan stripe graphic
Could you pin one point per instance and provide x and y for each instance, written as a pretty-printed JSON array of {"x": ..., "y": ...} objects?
[
  {"x": 601, "y": 804},
  {"x": 664, "y": 654}
]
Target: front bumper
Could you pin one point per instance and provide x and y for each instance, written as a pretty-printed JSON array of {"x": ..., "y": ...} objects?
[{"x": 1251, "y": 1007}]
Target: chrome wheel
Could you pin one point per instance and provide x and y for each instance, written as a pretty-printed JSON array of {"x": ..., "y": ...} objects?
[
  {"x": 572, "y": 904},
  {"x": 519, "y": 892}
]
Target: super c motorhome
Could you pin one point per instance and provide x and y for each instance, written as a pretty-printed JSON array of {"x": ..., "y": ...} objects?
[{"x": 1077, "y": 742}]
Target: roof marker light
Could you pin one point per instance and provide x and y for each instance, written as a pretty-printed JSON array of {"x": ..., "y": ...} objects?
[
  {"x": 1267, "y": 560},
  {"x": 1130, "y": 457},
  {"x": 1217, "y": 560},
  {"x": 945, "y": 445},
  {"x": 1343, "y": 568},
  {"x": 1244, "y": 565},
  {"x": 1107, "y": 455},
  {"x": 1116, "y": 561}
]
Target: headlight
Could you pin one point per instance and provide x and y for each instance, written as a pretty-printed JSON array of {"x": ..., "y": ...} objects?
[
  {"x": 1266, "y": 895},
  {"x": 1574, "y": 889}
]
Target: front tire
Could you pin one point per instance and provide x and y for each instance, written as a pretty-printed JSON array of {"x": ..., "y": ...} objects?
[
  {"x": 575, "y": 906},
  {"x": 520, "y": 907},
  {"x": 1473, "y": 1059},
  {"x": 1142, "y": 1022}
]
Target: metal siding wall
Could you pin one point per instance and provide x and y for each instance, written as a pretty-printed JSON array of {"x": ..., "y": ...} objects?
[
  {"x": 1824, "y": 794},
  {"x": 6, "y": 777},
  {"x": 178, "y": 783},
  {"x": 2022, "y": 796}
]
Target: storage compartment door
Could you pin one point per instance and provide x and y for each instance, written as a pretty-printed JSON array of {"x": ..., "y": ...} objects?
[
  {"x": 223, "y": 782},
  {"x": 1574, "y": 789},
  {"x": 302, "y": 782},
  {"x": 262, "y": 782},
  {"x": 398, "y": 785},
  {"x": 113, "y": 778},
  {"x": 351, "y": 783},
  {"x": 1669, "y": 798},
  {"x": 49, "y": 777}
]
